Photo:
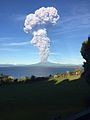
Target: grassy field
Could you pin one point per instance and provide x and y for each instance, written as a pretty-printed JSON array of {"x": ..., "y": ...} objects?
[{"x": 43, "y": 100}]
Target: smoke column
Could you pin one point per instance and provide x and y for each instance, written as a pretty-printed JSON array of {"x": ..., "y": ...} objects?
[{"x": 35, "y": 24}]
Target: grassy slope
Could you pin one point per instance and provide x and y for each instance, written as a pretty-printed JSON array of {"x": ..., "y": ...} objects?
[{"x": 42, "y": 100}]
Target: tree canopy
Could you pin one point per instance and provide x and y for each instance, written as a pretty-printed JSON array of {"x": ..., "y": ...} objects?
[
  {"x": 85, "y": 49},
  {"x": 85, "y": 52}
]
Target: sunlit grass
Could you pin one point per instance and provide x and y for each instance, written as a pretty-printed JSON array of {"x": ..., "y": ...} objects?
[{"x": 60, "y": 79}]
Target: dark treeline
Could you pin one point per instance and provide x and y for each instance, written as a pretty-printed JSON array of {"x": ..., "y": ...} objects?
[{"x": 5, "y": 79}]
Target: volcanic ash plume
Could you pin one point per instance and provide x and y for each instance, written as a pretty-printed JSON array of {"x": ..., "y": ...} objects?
[
  {"x": 35, "y": 23},
  {"x": 41, "y": 40}
]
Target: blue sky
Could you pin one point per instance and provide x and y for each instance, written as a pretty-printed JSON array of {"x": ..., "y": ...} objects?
[{"x": 66, "y": 37}]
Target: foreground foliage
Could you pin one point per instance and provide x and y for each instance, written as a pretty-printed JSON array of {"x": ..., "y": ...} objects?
[
  {"x": 85, "y": 52},
  {"x": 43, "y": 99}
]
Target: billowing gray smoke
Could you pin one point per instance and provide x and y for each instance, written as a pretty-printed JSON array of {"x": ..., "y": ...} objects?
[{"x": 35, "y": 23}]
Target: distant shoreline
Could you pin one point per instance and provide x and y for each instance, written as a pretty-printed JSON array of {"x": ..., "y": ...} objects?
[{"x": 21, "y": 71}]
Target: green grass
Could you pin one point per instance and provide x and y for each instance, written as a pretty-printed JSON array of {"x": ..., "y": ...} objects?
[
  {"x": 60, "y": 79},
  {"x": 43, "y": 100}
]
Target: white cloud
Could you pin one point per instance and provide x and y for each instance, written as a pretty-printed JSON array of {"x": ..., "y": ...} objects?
[
  {"x": 16, "y": 44},
  {"x": 5, "y": 38},
  {"x": 17, "y": 17},
  {"x": 55, "y": 53},
  {"x": 73, "y": 24},
  {"x": 8, "y": 49},
  {"x": 20, "y": 17}
]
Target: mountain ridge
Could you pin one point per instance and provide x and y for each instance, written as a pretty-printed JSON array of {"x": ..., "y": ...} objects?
[
  {"x": 50, "y": 64},
  {"x": 41, "y": 64}
]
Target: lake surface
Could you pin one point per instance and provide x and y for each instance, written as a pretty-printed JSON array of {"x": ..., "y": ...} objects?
[{"x": 37, "y": 71}]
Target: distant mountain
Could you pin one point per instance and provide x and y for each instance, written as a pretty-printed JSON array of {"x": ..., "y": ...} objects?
[
  {"x": 50, "y": 64},
  {"x": 45, "y": 64},
  {"x": 41, "y": 64}
]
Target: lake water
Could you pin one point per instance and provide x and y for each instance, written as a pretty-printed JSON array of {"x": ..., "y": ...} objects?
[{"x": 37, "y": 71}]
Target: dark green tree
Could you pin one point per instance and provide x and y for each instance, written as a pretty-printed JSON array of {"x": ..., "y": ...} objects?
[{"x": 85, "y": 52}]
